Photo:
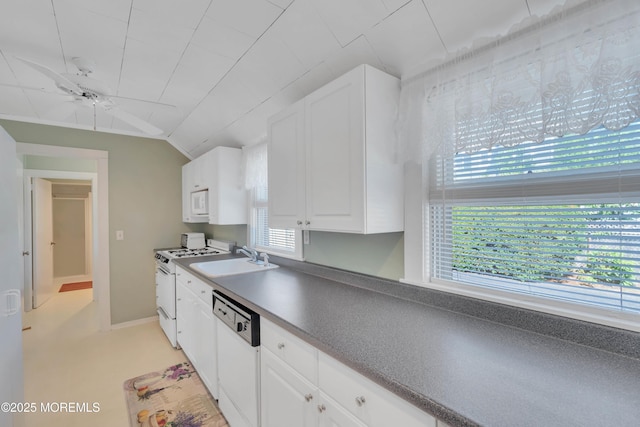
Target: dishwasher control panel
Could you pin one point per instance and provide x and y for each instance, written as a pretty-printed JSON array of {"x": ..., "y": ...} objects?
[{"x": 239, "y": 318}]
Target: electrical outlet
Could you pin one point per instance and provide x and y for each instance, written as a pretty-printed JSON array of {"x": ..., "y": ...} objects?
[{"x": 119, "y": 234}]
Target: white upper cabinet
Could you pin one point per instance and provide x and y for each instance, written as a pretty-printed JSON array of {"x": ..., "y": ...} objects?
[
  {"x": 287, "y": 168},
  {"x": 331, "y": 158},
  {"x": 218, "y": 173}
]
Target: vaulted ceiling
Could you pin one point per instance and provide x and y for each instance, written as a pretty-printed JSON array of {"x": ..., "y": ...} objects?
[{"x": 210, "y": 72}]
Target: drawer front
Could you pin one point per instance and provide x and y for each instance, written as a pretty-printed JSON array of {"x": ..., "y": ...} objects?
[
  {"x": 195, "y": 285},
  {"x": 371, "y": 403},
  {"x": 296, "y": 353},
  {"x": 183, "y": 276},
  {"x": 202, "y": 291}
]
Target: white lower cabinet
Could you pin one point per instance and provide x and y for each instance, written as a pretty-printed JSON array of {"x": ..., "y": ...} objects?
[
  {"x": 340, "y": 397},
  {"x": 196, "y": 326},
  {"x": 287, "y": 399},
  {"x": 334, "y": 415},
  {"x": 371, "y": 403}
]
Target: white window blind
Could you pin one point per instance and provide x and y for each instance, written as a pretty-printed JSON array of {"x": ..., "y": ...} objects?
[
  {"x": 265, "y": 238},
  {"x": 559, "y": 219}
]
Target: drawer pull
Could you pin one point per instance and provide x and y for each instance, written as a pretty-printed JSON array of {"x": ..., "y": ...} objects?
[
  {"x": 280, "y": 346},
  {"x": 203, "y": 292},
  {"x": 308, "y": 397},
  {"x": 360, "y": 400},
  {"x": 322, "y": 408}
]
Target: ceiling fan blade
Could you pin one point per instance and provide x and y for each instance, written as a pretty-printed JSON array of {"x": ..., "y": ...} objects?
[
  {"x": 61, "y": 81},
  {"x": 162, "y": 104},
  {"x": 134, "y": 121},
  {"x": 61, "y": 112},
  {"x": 41, "y": 89}
]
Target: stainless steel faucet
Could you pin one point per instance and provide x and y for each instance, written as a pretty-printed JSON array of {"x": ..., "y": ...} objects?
[
  {"x": 249, "y": 252},
  {"x": 265, "y": 259}
]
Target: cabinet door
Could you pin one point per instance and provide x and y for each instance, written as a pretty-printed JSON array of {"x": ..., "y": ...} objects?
[
  {"x": 369, "y": 402},
  {"x": 287, "y": 168},
  {"x": 334, "y": 415},
  {"x": 184, "y": 319},
  {"x": 205, "y": 346},
  {"x": 287, "y": 399},
  {"x": 334, "y": 135}
]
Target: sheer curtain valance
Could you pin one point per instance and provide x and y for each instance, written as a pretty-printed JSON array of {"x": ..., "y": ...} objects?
[
  {"x": 565, "y": 74},
  {"x": 254, "y": 165}
]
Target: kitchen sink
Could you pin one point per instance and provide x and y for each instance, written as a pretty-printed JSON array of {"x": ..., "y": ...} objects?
[{"x": 228, "y": 267}]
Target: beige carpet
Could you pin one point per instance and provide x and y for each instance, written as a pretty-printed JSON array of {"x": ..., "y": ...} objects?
[{"x": 174, "y": 397}]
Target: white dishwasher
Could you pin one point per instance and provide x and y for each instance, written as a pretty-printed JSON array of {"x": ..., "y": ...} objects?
[{"x": 238, "y": 361}]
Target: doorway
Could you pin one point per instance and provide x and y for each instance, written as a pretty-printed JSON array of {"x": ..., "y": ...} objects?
[
  {"x": 99, "y": 257},
  {"x": 61, "y": 237},
  {"x": 58, "y": 209}
]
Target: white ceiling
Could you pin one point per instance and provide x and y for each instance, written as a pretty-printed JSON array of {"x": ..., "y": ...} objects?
[{"x": 226, "y": 65}]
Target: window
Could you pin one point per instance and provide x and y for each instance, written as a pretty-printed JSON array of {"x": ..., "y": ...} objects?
[
  {"x": 558, "y": 219},
  {"x": 530, "y": 156},
  {"x": 286, "y": 243},
  {"x": 273, "y": 240}
]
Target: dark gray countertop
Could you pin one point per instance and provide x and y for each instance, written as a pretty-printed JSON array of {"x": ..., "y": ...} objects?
[{"x": 461, "y": 368}]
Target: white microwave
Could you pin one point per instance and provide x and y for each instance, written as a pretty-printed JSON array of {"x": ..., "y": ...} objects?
[{"x": 200, "y": 203}]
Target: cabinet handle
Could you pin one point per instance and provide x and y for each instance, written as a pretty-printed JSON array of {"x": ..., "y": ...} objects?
[
  {"x": 308, "y": 397},
  {"x": 322, "y": 408},
  {"x": 280, "y": 346},
  {"x": 360, "y": 400},
  {"x": 307, "y": 222},
  {"x": 188, "y": 281},
  {"x": 299, "y": 222},
  {"x": 203, "y": 292},
  {"x": 179, "y": 299}
]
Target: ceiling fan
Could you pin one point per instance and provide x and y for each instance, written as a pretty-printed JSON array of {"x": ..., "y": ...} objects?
[{"x": 88, "y": 91}]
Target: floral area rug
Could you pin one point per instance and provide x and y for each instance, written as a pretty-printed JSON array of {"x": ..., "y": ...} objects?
[{"x": 175, "y": 397}]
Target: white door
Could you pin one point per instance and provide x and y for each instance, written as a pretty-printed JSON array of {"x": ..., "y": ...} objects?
[
  {"x": 43, "y": 287},
  {"x": 11, "y": 386}
]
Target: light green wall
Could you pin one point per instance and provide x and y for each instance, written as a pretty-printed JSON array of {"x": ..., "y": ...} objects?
[
  {"x": 59, "y": 164},
  {"x": 231, "y": 233},
  {"x": 379, "y": 255},
  {"x": 144, "y": 200}
]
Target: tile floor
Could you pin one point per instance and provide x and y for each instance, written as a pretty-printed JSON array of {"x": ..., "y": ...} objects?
[{"x": 67, "y": 359}]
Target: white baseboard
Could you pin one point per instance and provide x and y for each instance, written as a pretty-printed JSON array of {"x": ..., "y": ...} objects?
[{"x": 135, "y": 322}]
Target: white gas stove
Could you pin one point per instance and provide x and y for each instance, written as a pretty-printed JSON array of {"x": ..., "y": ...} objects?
[
  {"x": 166, "y": 281},
  {"x": 214, "y": 247}
]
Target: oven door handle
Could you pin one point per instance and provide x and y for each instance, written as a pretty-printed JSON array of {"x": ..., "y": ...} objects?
[
  {"x": 163, "y": 313},
  {"x": 162, "y": 270}
]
